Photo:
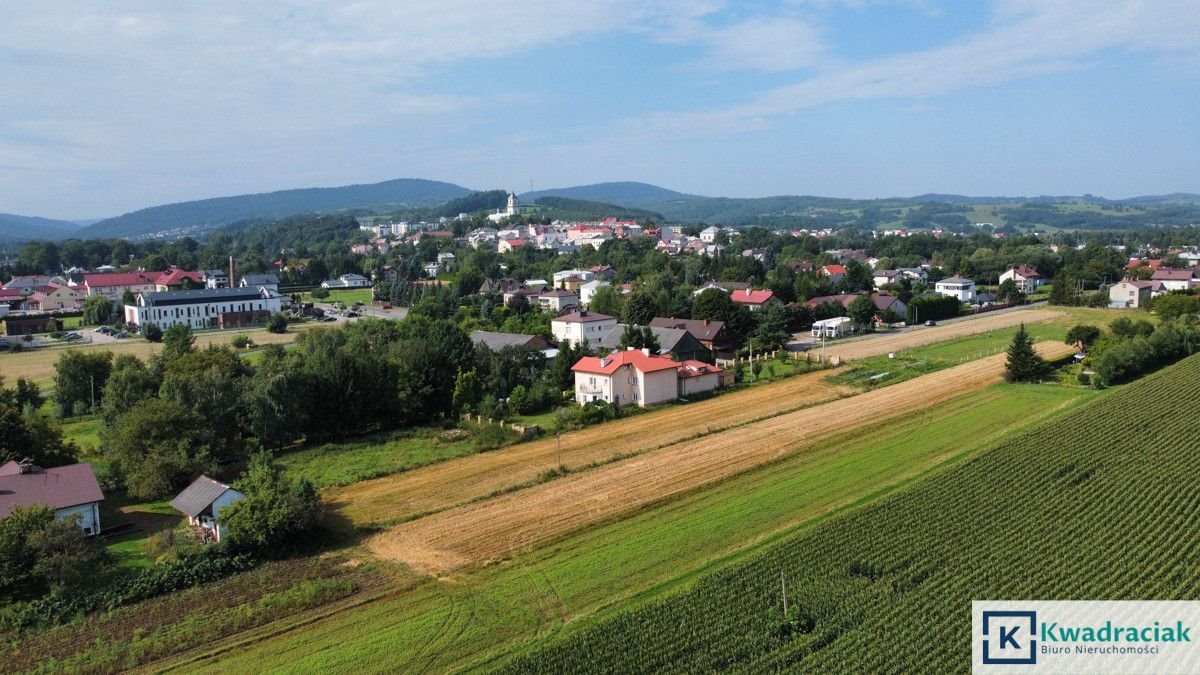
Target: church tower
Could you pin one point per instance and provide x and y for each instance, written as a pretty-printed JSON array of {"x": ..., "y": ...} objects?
[{"x": 512, "y": 204}]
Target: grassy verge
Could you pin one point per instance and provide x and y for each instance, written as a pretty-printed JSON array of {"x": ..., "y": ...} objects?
[
  {"x": 347, "y": 462},
  {"x": 347, "y": 296},
  {"x": 481, "y": 614}
]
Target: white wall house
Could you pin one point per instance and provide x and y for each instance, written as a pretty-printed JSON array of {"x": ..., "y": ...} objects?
[
  {"x": 1130, "y": 294},
  {"x": 577, "y": 327},
  {"x": 631, "y": 377},
  {"x": 113, "y": 285},
  {"x": 586, "y": 291},
  {"x": 956, "y": 287},
  {"x": 1176, "y": 280},
  {"x": 1025, "y": 277},
  {"x": 557, "y": 300},
  {"x": 203, "y": 501},
  {"x": 347, "y": 281},
  {"x": 204, "y": 308},
  {"x": 70, "y": 490}
]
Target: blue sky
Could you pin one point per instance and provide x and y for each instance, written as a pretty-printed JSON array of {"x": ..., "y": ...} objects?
[{"x": 110, "y": 107}]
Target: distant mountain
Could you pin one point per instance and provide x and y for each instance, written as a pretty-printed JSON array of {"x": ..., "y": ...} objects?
[
  {"x": 197, "y": 217},
  {"x": 22, "y": 228},
  {"x": 582, "y": 209},
  {"x": 625, "y": 193}
]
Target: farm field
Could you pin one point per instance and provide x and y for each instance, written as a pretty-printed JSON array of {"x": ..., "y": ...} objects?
[
  {"x": 475, "y": 617},
  {"x": 441, "y": 486},
  {"x": 488, "y": 530},
  {"x": 38, "y": 365},
  {"x": 1099, "y": 503}
]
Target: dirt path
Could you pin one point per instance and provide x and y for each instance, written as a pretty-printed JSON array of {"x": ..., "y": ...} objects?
[
  {"x": 441, "y": 486},
  {"x": 490, "y": 529},
  {"x": 874, "y": 346}
]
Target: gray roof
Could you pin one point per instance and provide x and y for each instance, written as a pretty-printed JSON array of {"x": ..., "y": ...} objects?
[
  {"x": 956, "y": 280},
  {"x": 260, "y": 280},
  {"x": 497, "y": 341},
  {"x": 167, "y": 298},
  {"x": 198, "y": 496},
  {"x": 701, "y": 329},
  {"x": 668, "y": 338}
]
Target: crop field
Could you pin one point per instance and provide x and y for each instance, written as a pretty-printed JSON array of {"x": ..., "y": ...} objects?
[
  {"x": 441, "y": 486},
  {"x": 1099, "y": 503},
  {"x": 478, "y": 616},
  {"x": 488, "y": 530}
]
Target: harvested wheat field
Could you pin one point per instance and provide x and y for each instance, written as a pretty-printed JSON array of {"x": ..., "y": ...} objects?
[
  {"x": 874, "y": 346},
  {"x": 488, "y": 530},
  {"x": 441, "y": 486}
]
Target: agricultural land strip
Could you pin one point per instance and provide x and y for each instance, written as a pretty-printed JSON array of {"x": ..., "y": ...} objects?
[{"x": 491, "y": 529}]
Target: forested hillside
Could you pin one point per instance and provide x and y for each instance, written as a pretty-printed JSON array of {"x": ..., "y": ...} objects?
[{"x": 21, "y": 228}]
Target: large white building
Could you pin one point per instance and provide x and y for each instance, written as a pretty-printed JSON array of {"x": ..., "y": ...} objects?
[
  {"x": 636, "y": 377},
  {"x": 205, "y": 308},
  {"x": 957, "y": 287},
  {"x": 581, "y": 326}
]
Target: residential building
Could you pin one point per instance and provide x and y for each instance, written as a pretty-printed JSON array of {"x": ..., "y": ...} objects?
[
  {"x": 113, "y": 285},
  {"x": 203, "y": 501},
  {"x": 29, "y": 284},
  {"x": 510, "y": 245},
  {"x": 754, "y": 300},
  {"x": 835, "y": 273},
  {"x": 709, "y": 234},
  {"x": 588, "y": 289},
  {"x": 882, "y": 278},
  {"x": 447, "y": 261},
  {"x": 267, "y": 281},
  {"x": 176, "y": 279},
  {"x": 70, "y": 490},
  {"x": 1130, "y": 293},
  {"x": 676, "y": 342},
  {"x": 557, "y": 300},
  {"x": 204, "y": 308},
  {"x": 497, "y": 341},
  {"x": 54, "y": 298},
  {"x": 1025, "y": 277},
  {"x": 956, "y": 287},
  {"x": 582, "y": 326},
  {"x": 347, "y": 281},
  {"x": 713, "y": 335},
  {"x": 1176, "y": 280},
  {"x": 632, "y": 377},
  {"x": 215, "y": 278}
]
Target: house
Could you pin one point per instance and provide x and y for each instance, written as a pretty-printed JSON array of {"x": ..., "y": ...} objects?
[
  {"x": 755, "y": 300},
  {"x": 267, "y": 281},
  {"x": 983, "y": 299},
  {"x": 176, "y": 279},
  {"x": 216, "y": 278},
  {"x": 203, "y": 501},
  {"x": 505, "y": 285},
  {"x": 674, "y": 341},
  {"x": 636, "y": 377},
  {"x": 510, "y": 245},
  {"x": 1025, "y": 277},
  {"x": 883, "y": 302},
  {"x": 113, "y": 285},
  {"x": 557, "y": 300},
  {"x": 882, "y": 278},
  {"x": 581, "y": 326},
  {"x": 69, "y": 490},
  {"x": 603, "y": 272},
  {"x": 54, "y": 297},
  {"x": 956, "y": 287},
  {"x": 432, "y": 269},
  {"x": 347, "y": 281},
  {"x": 835, "y": 273},
  {"x": 571, "y": 280},
  {"x": 1176, "y": 280},
  {"x": 709, "y": 234},
  {"x": 713, "y": 335},
  {"x": 447, "y": 261},
  {"x": 204, "y": 308},
  {"x": 1130, "y": 294},
  {"x": 497, "y": 341},
  {"x": 587, "y": 290}
]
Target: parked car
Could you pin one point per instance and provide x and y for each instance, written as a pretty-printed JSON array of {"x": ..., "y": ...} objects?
[
  {"x": 930, "y": 322},
  {"x": 121, "y": 336},
  {"x": 328, "y": 318},
  {"x": 4, "y": 343},
  {"x": 351, "y": 315},
  {"x": 73, "y": 336}
]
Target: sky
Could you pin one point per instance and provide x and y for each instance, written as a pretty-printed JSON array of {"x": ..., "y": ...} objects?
[{"x": 110, "y": 107}]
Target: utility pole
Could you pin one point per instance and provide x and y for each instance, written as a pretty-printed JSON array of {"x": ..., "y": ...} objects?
[
  {"x": 558, "y": 443},
  {"x": 92, "y": 379},
  {"x": 783, "y": 583}
]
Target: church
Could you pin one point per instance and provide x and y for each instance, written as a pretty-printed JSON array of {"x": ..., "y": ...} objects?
[{"x": 513, "y": 208}]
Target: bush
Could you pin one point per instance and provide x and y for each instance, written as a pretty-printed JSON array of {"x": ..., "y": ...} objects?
[
  {"x": 320, "y": 293},
  {"x": 152, "y": 332},
  {"x": 592, "y": 412},
  {"x": 278, "y": 323},
  {"x": 241, "y": 342}
]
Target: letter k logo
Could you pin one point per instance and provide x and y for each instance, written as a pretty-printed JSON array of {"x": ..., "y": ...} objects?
[{"x": 1008, "y": 639}]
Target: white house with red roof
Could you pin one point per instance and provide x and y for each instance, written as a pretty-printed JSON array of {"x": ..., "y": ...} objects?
[
  {"x": 753, "y": 299},
  {"x": 581, "y": 326},
  {"x": 835, "y": 273},
  {"x": 69, "y": 490},
  {"x": 1025, "y": 277},
  {"x": 1176, "y": 280},
  {"x": 637, "y": 377}
]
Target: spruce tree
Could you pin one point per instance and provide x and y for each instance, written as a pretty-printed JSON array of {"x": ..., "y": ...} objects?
[{"x": 1024, "y": 364}]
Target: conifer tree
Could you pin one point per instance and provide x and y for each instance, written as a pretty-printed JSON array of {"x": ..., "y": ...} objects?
[{"x": 1024, "y": 364}]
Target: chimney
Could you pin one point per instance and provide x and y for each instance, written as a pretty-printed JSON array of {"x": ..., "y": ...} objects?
[
  {"x": 583, "y": 312},
  {"x": 706, "y": 322},
  {"x": 748, "y": 291},
  {"x": 646, "y": 351},
  {"x": 232, "y": 283}
]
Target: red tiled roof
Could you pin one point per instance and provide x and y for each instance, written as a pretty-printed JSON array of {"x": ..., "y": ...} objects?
[
  {"x": 1144, "y": 262},
  {"x": 117, "y": 279},
  {"x": 1026, "y": 271},
  {"x": 697, "y": 369},
  {"x": 751, "y": 297},
  {"x": 175, "y": 277},
  {"x": 834, "y": 269},
  {"x": 632, "y": 357},
  {"x": 57, "y": 488}
]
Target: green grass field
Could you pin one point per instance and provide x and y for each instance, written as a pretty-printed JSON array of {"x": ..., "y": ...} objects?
[
  {"x": 1097, "y": 504},
  {"x": 348, "y": 462},
  {"x": 477, "y": 616},
  {"x": 347, "y": 296}
]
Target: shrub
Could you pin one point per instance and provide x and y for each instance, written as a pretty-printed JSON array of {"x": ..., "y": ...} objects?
[
  {"x": 152, "y": 332},
  {"x": 278, "y": 323},
  {"x": 320, "y": 293}
]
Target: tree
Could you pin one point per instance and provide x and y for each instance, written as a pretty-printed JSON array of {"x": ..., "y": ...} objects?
[
  {"x": 278, "y": 323},
  {"x": 96, "y": 310},
  {"x": 714, "y": 305},
  {"x": 320, "y": 293},
  {"x": 17, "y": 557},
  {"x": 159, "y": 447},
  {"x": 177, "y": 341},
  {"x": 79, "y": 380},
  {"x": 1062, "y": 290},
  {"x": 1173, "y": 305},
  {"x": 640, "y": 308},
  {"x": 152, "y": 332},
  {"x": 1024, "y": 364},
  {"x": 276, "y": 513},
  {"x": 127, "y": 298},
  {"x": 1008, "y": 292},
  {"x": 39, "y": 551},
  {"x": 129, "y": 383},
  {"x": 1122, "y": 327},
  {"x": 607, "y": 300},
  {"x": 467, "y": 391},
  {"x": 773, "y": 331},
  {"x": 639, "y": 338},
  {"x": 1082, "y": 335},
  {"x": 862, "y": 311},
  {"x": 890, "y": 317}
]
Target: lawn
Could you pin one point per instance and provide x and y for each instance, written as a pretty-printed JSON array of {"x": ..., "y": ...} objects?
[
  {"x": 348, "y": 462},
  {"x": 477, "y": 616},
  {"x": 148, "y": 518},
  {"x": 346, "y": 296}
]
